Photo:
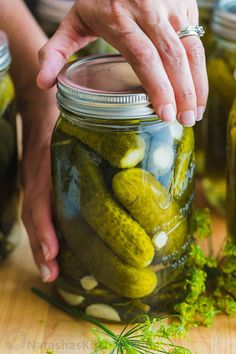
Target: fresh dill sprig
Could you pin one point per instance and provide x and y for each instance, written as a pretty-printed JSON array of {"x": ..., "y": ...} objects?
[
  {"x": 202, "y": 223},
  {"x": 145, "y": 337},
  {"x": 210, "y": 285}
]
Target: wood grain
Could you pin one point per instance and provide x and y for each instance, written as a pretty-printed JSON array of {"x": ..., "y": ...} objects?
[{"x": 30, "y": 326}]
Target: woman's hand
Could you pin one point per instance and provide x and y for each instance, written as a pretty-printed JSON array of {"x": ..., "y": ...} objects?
[
  {"x": 172, "y": 70},
  {"x": 36, "y": 173}
]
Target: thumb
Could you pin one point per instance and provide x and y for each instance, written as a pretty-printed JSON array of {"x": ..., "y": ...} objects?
[{"x": 71, "y": 36}]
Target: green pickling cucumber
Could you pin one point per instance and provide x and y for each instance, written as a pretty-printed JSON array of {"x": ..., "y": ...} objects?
[
  {"x": 106, "y": 267},
  {"x": 218, "y": 73},
  {"x": 123, "y": 150},
  {"x": 144, "y": 197},
  {"x": 183, "y": 172},
  {"x": 114, "y": 225},
  {"x": 6, "y": 92}
]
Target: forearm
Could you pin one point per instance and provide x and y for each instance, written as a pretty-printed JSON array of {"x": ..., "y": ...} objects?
[{"x": 26, "y": 38}]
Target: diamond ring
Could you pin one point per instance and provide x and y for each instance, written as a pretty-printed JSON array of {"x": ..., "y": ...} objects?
[{"x": 197, "y": 31}]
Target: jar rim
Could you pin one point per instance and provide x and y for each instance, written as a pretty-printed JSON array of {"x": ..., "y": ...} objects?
[{"x": 102, "y": 85}]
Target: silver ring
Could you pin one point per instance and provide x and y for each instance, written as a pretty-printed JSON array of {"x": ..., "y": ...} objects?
[{"x": 197, "y": 31}]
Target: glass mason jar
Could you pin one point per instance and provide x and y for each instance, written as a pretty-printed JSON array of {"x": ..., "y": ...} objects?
[
  {"x": 205, "y": 16},
  {"x": 123, "y": 193},
  {"x": 9, "y": 179},
  {"x": 231, "y": 174},
  {"x": 221, "y": 66}
]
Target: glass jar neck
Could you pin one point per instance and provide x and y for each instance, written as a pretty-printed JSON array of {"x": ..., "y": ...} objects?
[{"x": 113, "y": 123}]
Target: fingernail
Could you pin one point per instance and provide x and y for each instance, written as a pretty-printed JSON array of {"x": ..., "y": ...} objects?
[
  {"x": 45, "y": 251},
  {"x": 200, "y": 112},
  {"x": 168, "y": 113},
  {"x": 187, "y": 118},
  {"x": 45, "y": 272}
]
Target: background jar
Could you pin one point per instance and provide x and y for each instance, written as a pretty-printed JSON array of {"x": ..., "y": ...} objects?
[
  {"x": 221, "y": 66},
  {"x": 206, "y": 8},
  {"x": 123, "y": 193},
  {"x": 231, "y": 174},
  {"x": 50, "y": 13},
  {"x": 9, "y": 176}
]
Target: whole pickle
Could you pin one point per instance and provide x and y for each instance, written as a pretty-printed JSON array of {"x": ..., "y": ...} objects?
[
  {"x": 219, "y": 73},
  {"x": 122, "y": 150},
  {"x": 6, "y": 92},
  {"x": 123, "y": 279},
  {"x": 184, "y": 164},
  {"x": 114, "y": 225},
  {"x": 144, "y": 197}
]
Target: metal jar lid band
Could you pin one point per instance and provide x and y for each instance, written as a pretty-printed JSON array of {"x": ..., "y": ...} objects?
[
  {"x": 103, "y": 86},
  {"x": 5, "y": 58}
]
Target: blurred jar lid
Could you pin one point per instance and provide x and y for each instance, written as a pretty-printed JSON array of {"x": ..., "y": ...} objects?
[
  {"x": 53, "y": 10},
  {"x": 207, "y": 4},
  {"x": 224, "y": 19},
  {"x": 5, "y": 57}
]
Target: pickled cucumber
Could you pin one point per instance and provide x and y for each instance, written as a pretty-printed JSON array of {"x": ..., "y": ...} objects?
[
  {"x": 122, "y": 150},
  {"x": 114, "y": 225},
  {"x": 144, "y": 197},
  {"x": 221, "y": 78},
  {"x": 6, "y": 92},
  {"x": 185, "y": 164},
  {"x": 106, "y": 267}
]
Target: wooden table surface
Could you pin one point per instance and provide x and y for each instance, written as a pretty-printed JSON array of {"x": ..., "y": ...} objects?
[{"x": 30, "y": 326}]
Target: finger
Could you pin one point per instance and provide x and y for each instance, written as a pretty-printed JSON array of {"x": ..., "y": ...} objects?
[
  {"x": 49, "y": 269},
  {"x": 71, "y": 36},
  {"x": 197, "y": 62},
  {"x": 140, "y": 52},
  {"x": 41, "y": 216},
  {"x": 177, "y": 67}
]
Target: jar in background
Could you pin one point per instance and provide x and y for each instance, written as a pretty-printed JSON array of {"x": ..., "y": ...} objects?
[
  {"x": 205, "y": 16},
  {"x": 50, "y": 13},
  {"x": 9, "y": 177},
  {"x": 206, "y": 8},
  {"x": 231, "y": 174},
  {"x": 221, "y": 66},
  {"x": 123, "y": 191}
]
